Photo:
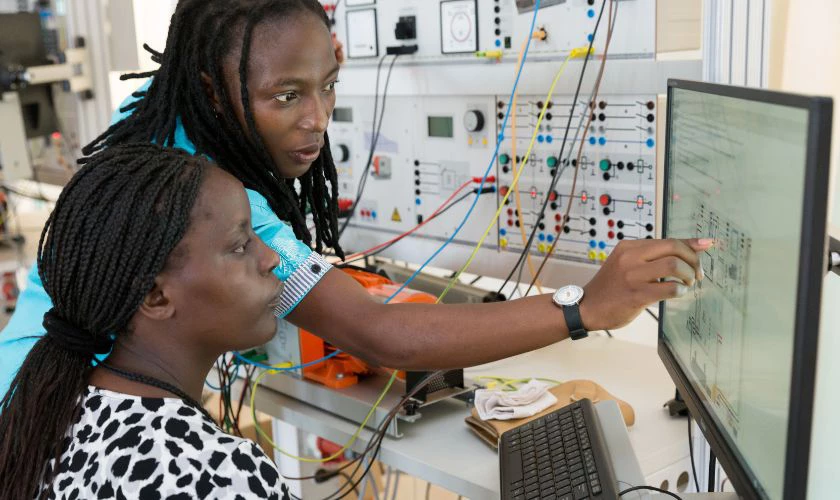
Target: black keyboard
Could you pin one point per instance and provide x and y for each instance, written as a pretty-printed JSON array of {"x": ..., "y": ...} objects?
[{"x": 559, "y": 456}]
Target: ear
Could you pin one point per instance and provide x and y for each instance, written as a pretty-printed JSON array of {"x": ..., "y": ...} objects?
[
  {"x": 207, "y": 83},
  {"x": 157, "y": 304}
]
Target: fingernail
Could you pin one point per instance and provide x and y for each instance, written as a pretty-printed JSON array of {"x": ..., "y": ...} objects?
[
  {"x": 702, "y": 273},
  {"x": 681, "y": 290},
  {"x": 706, "y": 242}
]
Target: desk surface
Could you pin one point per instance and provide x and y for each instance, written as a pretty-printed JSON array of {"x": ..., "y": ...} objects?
[{"x": 439, "y": 448}]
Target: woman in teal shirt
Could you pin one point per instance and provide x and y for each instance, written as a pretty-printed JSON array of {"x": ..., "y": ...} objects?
[{"x": 251, "y": 84}]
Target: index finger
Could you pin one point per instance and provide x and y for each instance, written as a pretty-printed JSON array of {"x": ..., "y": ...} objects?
[{"x": 685, "y": 250}]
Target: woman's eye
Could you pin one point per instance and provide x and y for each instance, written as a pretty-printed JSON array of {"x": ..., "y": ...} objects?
[
  {"x": 241, "y": 248},
  {"x": 330, "y": 86},
  {"x": 286, "y": 98}
]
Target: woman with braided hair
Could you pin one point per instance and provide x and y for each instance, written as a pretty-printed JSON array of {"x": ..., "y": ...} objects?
[
  {"x": 149, "y": 255},
  {"x": 251, "y": 85}
]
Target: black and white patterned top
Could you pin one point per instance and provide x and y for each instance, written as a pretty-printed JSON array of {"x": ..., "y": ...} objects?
[{"x": 125, "y": 446}]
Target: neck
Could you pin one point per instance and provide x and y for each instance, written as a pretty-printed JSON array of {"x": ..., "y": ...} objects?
[{"x": 183, "y": 368}]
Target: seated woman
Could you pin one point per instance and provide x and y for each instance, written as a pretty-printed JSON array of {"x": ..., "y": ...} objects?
[{"x": 149, "y": 255}]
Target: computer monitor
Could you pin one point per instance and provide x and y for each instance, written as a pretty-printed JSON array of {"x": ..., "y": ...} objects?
[{"x": 749, "y": 168}]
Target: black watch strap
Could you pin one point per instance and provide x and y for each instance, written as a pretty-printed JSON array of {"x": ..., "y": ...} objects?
[{"x": 574, "y": 322}]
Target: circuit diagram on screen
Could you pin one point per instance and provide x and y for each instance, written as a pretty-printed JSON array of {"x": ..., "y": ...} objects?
[{"x": 716, "y": 318}]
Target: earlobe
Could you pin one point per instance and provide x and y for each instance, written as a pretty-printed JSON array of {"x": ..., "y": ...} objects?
[
  {"x": 157, "y": 304},
  {"x": 207, "y": 83}
]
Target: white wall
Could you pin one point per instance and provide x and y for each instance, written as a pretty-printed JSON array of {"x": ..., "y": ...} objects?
[{"x": 806, "y": 58}]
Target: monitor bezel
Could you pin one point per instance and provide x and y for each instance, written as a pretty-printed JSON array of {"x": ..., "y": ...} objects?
[{"x": 812, "y": 265}]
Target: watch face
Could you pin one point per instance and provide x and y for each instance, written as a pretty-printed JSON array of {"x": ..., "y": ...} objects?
[{"x": 568, "y": 295}]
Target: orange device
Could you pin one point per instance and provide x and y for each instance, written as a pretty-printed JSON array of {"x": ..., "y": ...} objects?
[{"x": 343, "y": 370}]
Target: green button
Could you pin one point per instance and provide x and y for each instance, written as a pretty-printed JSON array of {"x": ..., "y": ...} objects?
[
  {"x": 504, "y": 159},
  {"x": 552, "y": 161},
  {"x": 605, "y": 165}
]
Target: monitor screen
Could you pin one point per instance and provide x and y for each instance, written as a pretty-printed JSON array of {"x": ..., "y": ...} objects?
[{"x": 736, "y": 172}]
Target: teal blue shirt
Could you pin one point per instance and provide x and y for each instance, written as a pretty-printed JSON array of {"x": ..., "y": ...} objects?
[{"x": 300, "y": 268}]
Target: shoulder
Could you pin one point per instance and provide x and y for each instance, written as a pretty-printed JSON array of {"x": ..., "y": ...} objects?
[{"x": 141, "y": 446}]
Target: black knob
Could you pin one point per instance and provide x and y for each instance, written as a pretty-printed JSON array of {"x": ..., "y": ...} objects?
[
  {"x": 649, "y": 227},
  {"x": 620, "y": 236},
  {"x": 592, "y": 221},
  {"x": 620, "y": 165},
  {"x": 554, "y": 205},
  {"x": 602, "y": 116},
  {"x": 566, "y": 229},
  {"x": 593, "y": 232},
  {"x": 650, "y": 105},
  {"x": 602, "y": 104},
  {"x": 542, "y": 226},
  {"x": 650, "y": 117},
  {"x": 630, "y": 166},
  {"x": 607, "y": 176},
  {"x": 607, "y": 211},
  {"x": 620, "y": 224}
]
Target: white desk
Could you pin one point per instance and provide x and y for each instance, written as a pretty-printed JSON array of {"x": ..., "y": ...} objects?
[{"x": 439, "y": 448}]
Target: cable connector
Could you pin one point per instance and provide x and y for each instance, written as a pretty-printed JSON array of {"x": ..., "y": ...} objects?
[
  {"x": 541, "y": 35},
  {"x": 489, "y": 54},
  {"x": 490, "y": 179},
  {"x": 834, "y": 255},
  {"x": 580, "y": 52}
]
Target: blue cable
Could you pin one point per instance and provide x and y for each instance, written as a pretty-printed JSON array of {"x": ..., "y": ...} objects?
[
  {"x": 479, "y": 191},
  {"x": 236, "y": 365},
  {"x": 290, "y": 368},
  {"x": 489, "y": 167}
]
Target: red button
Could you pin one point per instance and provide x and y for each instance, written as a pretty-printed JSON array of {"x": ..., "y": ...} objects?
[
  {"x": 605, "y": 199},
  {"x": 584, "y": 197},
  {"x": 611, "y": 235},
  {"x": 558, "y": 217},
  {"x": 510, "y": 222},
  {"x": 611, "y": 223},
  {"x": 504, "y": 190},
  {"x": 552, "y": 196},
  {"x": 510, "y": 211},
  {"x": 556, "y": 229}
]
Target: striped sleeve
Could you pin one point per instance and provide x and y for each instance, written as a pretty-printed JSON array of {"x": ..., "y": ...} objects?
[{"x": 300, "y": 268}]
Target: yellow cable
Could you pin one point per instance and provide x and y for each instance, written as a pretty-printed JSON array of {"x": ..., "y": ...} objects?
[
  {"x": 578, "y": 52},
  {"x": 307, "y": 459},
  {"x": 511, "y": 381},
  {"x": 516, "y": 196}
]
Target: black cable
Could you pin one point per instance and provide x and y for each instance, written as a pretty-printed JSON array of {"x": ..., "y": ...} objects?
[
  {"x": 376, "y": 442},
  {"x": 335, "y": 8},
  {"x": 712, "y": 464},
  {"x": 654, "y": 316},
  {"x": 652, "y": 488},
  {"x": 691, "y": 454},
  {"x": 375, "y": 130},
  {"x": 556, "y": 177}
]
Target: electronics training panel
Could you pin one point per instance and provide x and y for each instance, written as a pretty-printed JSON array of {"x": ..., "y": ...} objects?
[{"x": 445, "y": 108}]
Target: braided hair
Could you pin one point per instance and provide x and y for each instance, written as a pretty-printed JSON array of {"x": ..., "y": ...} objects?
[
  {"x": 201, "y": 34},
  {"x": 111, "y": 232}
]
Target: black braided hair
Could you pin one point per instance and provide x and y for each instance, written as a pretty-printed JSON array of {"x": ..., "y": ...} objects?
[
  {"x": 201, "y": 34},
  {"x": 111, "y": 232}
]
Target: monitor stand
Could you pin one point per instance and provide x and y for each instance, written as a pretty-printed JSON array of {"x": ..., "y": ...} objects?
[{"x": 625, "y": 464}]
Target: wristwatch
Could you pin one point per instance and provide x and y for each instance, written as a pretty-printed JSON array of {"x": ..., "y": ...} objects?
[{"x": 568, "y": 298}]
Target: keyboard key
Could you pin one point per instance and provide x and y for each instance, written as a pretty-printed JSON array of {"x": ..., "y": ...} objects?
[
  {"x": 596, "y": 490},
  {"x": 580, "y": 492},
  {"x": 567, "y": 496},
  {"x": 576, "y": 480},
  {"x": 518, "y": 491}
]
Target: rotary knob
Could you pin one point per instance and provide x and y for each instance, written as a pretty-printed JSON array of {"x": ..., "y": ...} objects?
[
  {"x": 474, "y": 121},
  {"x": 340, "y": 153}
]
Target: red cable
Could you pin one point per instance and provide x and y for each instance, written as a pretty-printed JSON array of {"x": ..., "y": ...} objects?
[{"x": 418, "y": 226}]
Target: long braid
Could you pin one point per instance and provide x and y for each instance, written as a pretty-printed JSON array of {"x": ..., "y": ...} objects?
[
  {"x": 201, "y": 34},
  {"x": 111, "y": 232}
]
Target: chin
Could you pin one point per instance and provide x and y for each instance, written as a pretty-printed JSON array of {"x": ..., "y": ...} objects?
[{"x": 294, "y": 171}]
